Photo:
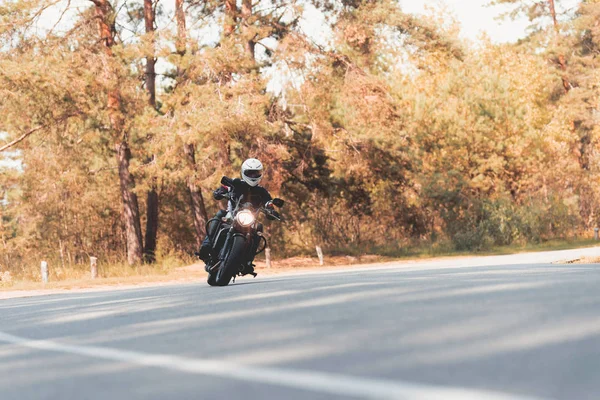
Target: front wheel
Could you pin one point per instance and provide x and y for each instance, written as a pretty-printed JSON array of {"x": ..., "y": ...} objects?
[
  {"x": 212, "y": 279},
  {"x": 230, "y": 266}
]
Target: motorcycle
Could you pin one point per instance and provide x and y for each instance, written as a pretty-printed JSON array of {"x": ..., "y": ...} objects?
[{"x": 235, "y": 237}]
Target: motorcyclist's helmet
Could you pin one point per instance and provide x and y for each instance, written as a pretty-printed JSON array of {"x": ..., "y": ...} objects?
[{"x": 252, "y": 170}]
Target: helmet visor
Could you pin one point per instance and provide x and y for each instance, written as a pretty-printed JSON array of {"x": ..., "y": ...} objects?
[{"x": 253, "y": 173}]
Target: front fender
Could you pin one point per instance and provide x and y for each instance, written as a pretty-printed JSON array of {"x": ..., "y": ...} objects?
[
  {"x": 228, "y": 243},
  {"x": 237, "y": 246}
]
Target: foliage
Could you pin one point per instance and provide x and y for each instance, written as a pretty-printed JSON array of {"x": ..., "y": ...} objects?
[{"x": 393, "y": 133}]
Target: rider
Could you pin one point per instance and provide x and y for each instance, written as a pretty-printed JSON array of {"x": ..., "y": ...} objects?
[{"x": 248, "y": 186}]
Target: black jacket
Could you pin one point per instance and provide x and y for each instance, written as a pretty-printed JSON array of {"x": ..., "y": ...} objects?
[{"x": 257, "y": 195}]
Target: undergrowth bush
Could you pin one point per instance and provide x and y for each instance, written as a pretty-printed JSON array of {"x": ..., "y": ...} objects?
[{"x": 502, "y": 223}]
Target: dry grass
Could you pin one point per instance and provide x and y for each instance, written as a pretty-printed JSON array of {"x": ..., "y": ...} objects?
[
  {"x": 79, "y": 276},
  {"x": 175, "y": 276},
  {"x": 583, "y": 260}
]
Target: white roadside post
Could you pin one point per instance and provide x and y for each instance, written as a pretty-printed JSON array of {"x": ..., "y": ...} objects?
[
  {"x": 44, "y": 268},
  {"x": 268, "y": 257},
  {"x": 320, "y": 254},
  {"x": 94, "y": 267},
  {"x": 596, "y": 233}
]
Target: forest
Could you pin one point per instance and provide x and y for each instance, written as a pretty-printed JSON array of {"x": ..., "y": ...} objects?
[{"x": 381, "y": 129}]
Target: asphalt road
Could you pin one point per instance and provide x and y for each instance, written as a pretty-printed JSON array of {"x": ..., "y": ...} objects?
[{"x": 511, "y": 327}]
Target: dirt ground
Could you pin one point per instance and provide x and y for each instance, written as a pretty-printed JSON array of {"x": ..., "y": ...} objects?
[{"x": 191, "y": 273}]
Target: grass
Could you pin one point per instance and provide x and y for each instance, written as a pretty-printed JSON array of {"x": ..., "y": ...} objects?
[
  {"x": 550, "y": 245},
  {"x": 79, "y": 276},
  {"x": 168, "y": 269},
  {"x": 445, "y": 249}
]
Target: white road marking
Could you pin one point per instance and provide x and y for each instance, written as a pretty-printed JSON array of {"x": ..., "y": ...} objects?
[{"x": 322, "y": 382}]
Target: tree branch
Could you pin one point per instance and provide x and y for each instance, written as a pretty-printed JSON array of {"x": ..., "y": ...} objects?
[
  {"x": 32, "y": 131},
  {"x": 21, "y": 138}
]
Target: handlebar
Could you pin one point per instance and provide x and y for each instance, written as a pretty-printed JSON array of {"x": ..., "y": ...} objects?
[
  {"x": 227, "y": 181},
  {"x": 270, "y": 213}
]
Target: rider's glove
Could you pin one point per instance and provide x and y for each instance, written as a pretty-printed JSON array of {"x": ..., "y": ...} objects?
[{"x": 220, "y": 193}]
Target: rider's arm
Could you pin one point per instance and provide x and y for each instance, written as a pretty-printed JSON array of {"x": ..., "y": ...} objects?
[
  {"x": 219, "y": 194},
  {"x": 266, "y": 198}
]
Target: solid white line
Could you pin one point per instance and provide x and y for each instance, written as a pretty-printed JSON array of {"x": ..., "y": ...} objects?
[{"x": 321, "y": 382}]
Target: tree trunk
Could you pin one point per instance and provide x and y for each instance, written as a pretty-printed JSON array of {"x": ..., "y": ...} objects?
[
  {"x": 151, "y": 226},
  {"x": 131, "y": 215},
  {"x": 196, "y": 199},
  {"x": 131, "y": 211},
  {"x": 230, "y": 17},
  {"x": 561, "y": 57},
  {"x": 152, "y": 195},
  {"x": 181, "y": 27},
  {"x": 246, "y": 15},
  {"x": 150, "y": 60}
]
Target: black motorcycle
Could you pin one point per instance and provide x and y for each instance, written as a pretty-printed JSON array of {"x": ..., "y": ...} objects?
[{"x": 234, "y": 239}]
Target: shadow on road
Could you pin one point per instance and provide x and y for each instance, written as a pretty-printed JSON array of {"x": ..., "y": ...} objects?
[{"x": 524, "y": 329}]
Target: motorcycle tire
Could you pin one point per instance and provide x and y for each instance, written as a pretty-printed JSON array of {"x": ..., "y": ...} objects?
[
  {"x": 230, "y": 266},
  {"x": 212, "y": 279}
]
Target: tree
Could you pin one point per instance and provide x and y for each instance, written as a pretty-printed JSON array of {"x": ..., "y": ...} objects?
[
  {"x": 537, "y": 11},
  {"x": 152, "y": 195},
  {"x": 390, "y": 133},
  {"x": 198, "y": 209},
  {"x": 131, "y": 215},
  {"x": 84, "y": 91}
]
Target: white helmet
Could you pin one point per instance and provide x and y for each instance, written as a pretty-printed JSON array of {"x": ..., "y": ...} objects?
[{"x": 252, "y": 171}]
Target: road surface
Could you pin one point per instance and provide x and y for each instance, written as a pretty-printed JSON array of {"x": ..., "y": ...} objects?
[{"x": 509, "y": 327}]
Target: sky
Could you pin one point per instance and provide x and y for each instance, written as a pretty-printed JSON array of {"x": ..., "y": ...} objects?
[
  {"x": 474, "y": 16},
  {"x": 477, "y": 18}
]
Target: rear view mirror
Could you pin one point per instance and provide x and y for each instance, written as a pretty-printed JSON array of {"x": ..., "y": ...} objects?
[{"x": 278, "y": 202}]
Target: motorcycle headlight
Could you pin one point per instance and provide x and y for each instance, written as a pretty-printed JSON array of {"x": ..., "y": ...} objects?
[{"x": 245, "y": 218}]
